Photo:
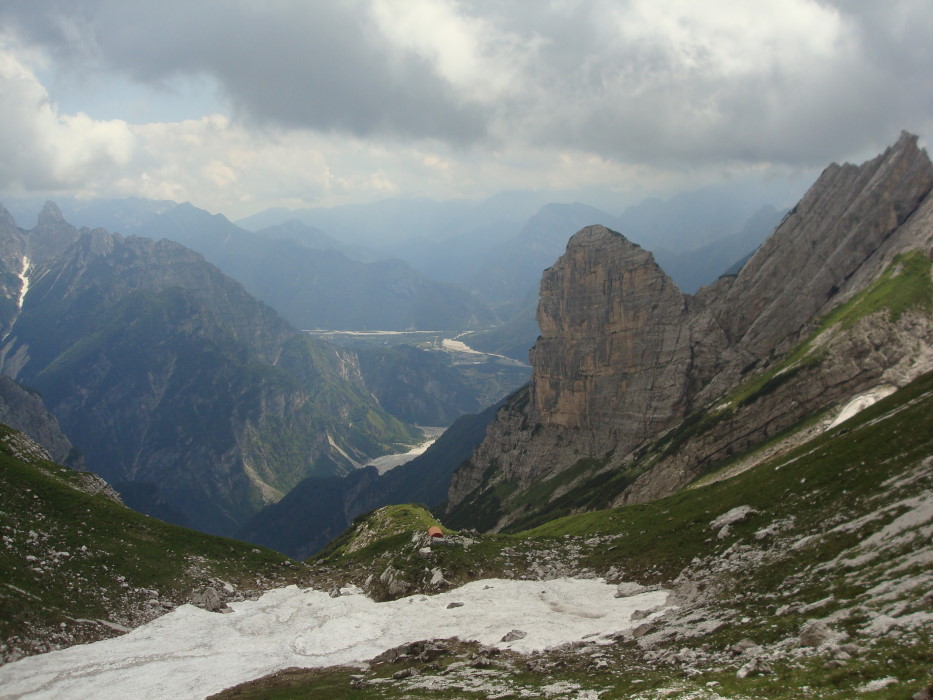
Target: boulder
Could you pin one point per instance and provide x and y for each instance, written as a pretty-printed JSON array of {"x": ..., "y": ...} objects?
[
  {"x": 209, "y": 599},
  {"x": 731, "y": 517},
  {"x": 437, "y": 579},
  {"x": 743, "y": 647},
  {"x": 684, "y": 593},
  {"x": 642, "y": 629},
  {"x": 815, "y": 633},
  {"x": 755, "y": 667},
  {"x": 629, "y": 588},
  {"x": 514, "y": 635}
]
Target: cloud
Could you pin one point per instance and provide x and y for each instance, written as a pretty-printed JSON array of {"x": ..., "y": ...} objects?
[
  {"x": 685, "y": 82},
  {"x": 325, "y": 66},
  {"x": 42, "y": 149},
  {"x": 364, "y": 98}
]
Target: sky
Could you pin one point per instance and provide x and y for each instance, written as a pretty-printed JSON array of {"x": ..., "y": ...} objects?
[{"x": 241, "y": 105}]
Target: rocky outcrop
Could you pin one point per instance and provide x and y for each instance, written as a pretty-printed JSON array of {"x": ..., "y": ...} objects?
[
  {"x": 22, "y": 409},
  {"x": 844, "y": 231},
  {"x": 624, "y": 357}
]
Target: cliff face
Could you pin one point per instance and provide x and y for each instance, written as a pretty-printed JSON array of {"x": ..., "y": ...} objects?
[
  {"x": 23, "y": 410},
  {"x": 612, "y": 344},
  {"x": 636, "y": 387}
]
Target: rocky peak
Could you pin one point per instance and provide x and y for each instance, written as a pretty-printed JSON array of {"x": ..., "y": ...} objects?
[
  {"x": 51, "y": 235},
  {"x": 612, "y": 325},
  {"x": 840, "y": 235},
  {"x": 50, "y": 215},
  {"x": 7, "y": 222}
]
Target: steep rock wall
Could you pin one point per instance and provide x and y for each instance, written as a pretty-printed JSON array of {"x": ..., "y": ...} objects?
[{"x": 623, "y": 356}]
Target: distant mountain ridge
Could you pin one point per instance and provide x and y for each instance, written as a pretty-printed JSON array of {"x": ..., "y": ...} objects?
[{"x": 303, "y": 274}]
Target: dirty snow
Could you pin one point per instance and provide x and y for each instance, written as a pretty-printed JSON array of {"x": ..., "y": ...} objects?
[
  {"x": 191, "y": 653},
  {"x": 861, "y": 402}
]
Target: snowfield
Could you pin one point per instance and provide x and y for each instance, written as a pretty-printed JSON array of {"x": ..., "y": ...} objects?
[{"x": 192, "y": 653}]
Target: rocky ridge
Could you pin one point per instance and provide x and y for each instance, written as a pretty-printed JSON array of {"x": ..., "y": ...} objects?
[{"x": 637, "y": 383}]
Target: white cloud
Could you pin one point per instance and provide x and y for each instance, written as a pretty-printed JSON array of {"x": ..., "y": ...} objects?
[
  {"x": 41, "y": 149},
  {"x": 481, "y": 60}
]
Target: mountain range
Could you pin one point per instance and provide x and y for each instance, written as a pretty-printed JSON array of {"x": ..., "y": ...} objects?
[
  {"x": 754, "y": 459},
  {"x": 637, "y": 389},
  {"x": 163, "y": 371}
]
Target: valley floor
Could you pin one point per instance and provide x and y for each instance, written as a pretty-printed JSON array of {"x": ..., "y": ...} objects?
[{"x": 387, "y": 462}]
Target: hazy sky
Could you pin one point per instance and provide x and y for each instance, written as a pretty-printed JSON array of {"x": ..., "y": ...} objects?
[{"x": 238, "y": 105}]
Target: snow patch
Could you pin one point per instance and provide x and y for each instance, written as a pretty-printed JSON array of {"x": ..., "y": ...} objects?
[
  {"x": 191, "y": 653},
  {"x": 861, "y": 402},
  {"x": 24, "y": 278}
]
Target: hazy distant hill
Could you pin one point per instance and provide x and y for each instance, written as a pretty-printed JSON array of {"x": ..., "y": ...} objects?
[
  {"x": 300, "y": 272},
  {"x": 298, "y": 232}
]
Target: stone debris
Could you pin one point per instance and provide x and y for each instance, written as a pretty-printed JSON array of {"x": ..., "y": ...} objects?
[
  {"x": 757, "y": 666},
  {"x": 731, "y": 517},
  {"x": 514, "y": 635},
  {"x": 209, "y": 599}
]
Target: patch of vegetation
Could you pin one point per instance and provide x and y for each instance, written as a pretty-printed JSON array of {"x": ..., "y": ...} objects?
[
  {"x": 376, "y": 527},
  {"x": 482, "y": 508},
  {"x": 69, "y": 558},
  {"x": 906, "y": 284},
  {"x": 591, "y": 493}
]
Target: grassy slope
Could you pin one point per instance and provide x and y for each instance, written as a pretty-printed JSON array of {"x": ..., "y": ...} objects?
[
  {"x": 69, "y": 558},
  {"x": 838, "y": 489}
]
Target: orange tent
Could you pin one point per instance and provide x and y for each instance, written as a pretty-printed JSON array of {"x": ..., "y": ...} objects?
[{"x": 435, "y": 531}]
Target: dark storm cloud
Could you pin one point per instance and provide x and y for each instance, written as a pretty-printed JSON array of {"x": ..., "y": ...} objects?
[
  {"x": 824, "y": 80},
  {"x": 317, "y": 65}
]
